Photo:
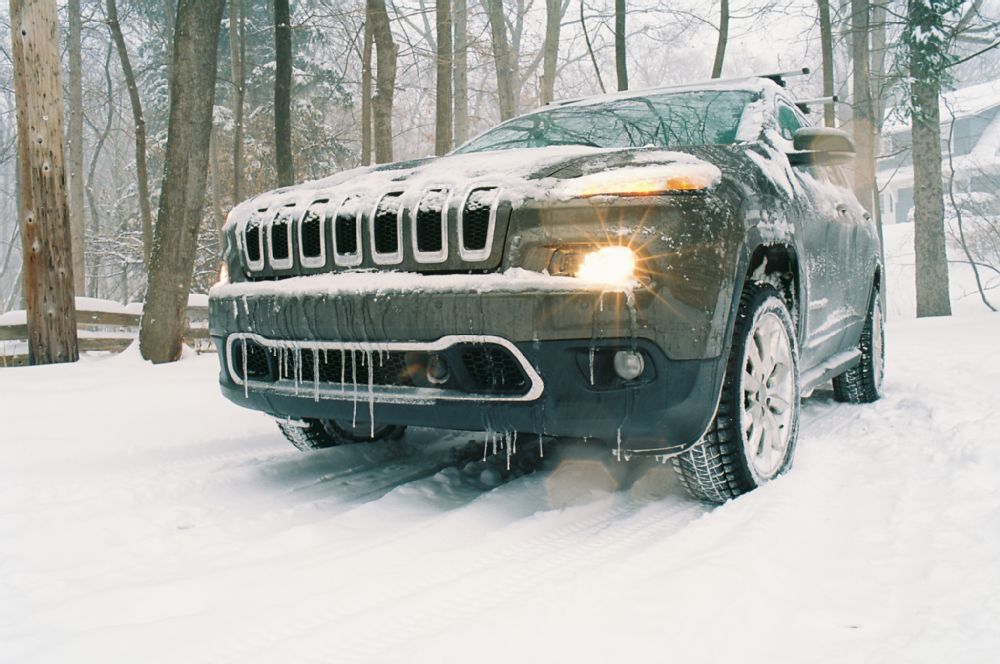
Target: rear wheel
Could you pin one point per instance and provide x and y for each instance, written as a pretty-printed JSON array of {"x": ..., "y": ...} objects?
[
  {"x": 863, "y": 382},
  {"x": 313, "y": 434},
  {"x": 752, "y": 438}
]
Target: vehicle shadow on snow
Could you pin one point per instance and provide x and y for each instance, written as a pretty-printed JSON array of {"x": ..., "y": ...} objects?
[{"x": 450, "y": 469}]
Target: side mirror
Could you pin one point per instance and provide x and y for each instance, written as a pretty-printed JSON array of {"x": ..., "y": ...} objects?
[{"x": 821, "y": 146}]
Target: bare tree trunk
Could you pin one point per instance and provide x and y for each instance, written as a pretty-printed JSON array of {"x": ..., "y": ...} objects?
[
  {"x": 443, "y": 115},
  {"x": 366, "y": 96},
  {"x": 502, "y": 59},
  {"x": 862, "y": 122},
  {"x": 826, "y": 44},
  {"x": 217, "y": 214},
  {"x": 553, "y": 16},
  {"x": 621, "y": 62},
  {"x": 461, "y": 69},
  {"x": 386, "y": 52},
  {"x": 933, "y": 297},
  {"x": 237, "y": 51},
  {"x": 283, "y": 93},
  {"x": 590, "y": 48},
  {"x": 720, "y": 45},
  {"x": 45, "y": 234},
  {"x": 182, "y": 197},
  {"x": 76, "y": 214},
  {"x": 102, "y": 136},
  {"x": 140, "y": 131}
]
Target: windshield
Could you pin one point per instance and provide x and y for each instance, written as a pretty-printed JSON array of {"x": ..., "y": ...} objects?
[{"x": 704, "y": 117}]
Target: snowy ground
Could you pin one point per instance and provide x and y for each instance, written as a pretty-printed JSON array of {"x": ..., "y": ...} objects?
[{"x": 144, "y": 518}]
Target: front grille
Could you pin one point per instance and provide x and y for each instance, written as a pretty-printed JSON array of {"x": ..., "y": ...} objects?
[
  {"x": 368, "y": 232},
  {"x": 385, "y": 224},
  {"x": 493, "y": 368},
  {"x": 490, "y": 370}
]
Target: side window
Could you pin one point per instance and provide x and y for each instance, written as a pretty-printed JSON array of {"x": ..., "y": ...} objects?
[{"x": 788, "y": 121}]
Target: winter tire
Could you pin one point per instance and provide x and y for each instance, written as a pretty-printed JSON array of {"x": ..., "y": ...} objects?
[
  {"x": 311, "y": 434},
  {"x": 752, "y": 438},
  {"x": 863, "y": 382}
]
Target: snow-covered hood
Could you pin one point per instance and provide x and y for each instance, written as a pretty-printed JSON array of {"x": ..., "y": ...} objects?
[{"x": 522, "y": 174}]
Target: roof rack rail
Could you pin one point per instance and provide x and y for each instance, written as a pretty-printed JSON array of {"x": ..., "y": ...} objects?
[
  {"x": 779, "y": 77},
  {"x": 806, "y": 104}
]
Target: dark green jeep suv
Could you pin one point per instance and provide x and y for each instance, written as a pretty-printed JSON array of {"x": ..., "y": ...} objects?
[{"x": 666, "y": 270}]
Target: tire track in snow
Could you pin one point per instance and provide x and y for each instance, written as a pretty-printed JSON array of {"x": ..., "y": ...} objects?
[{"x": 494, "y": 575}]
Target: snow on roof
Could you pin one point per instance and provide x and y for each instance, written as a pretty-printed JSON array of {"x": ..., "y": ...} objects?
[{"x": 963, "y": 102}]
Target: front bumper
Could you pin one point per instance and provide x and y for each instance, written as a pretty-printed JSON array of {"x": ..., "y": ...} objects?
[{"x": 562, "y": 334}]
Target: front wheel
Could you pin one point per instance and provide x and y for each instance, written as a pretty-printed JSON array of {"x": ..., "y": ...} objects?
[
  {"x": 313, "y": 434},
  {"x": 752, "y": 438}
]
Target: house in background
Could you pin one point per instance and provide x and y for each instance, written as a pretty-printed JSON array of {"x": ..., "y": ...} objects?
[{"x": 975, "y": 150}]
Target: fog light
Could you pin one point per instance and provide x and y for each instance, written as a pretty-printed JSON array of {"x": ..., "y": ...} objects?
[
  {"x": 629, "y": 364},
  {"x": 437, "y": 369}
]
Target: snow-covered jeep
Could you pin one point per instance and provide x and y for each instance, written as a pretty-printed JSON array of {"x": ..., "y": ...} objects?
[{"x": 666, "y": 270}]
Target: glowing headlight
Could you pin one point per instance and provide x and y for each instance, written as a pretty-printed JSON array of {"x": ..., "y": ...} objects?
[
  {"x": 608, "y": 265},
  {"x": 644, "y": 181}
]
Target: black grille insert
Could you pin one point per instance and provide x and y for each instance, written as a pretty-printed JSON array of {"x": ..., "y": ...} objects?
[
  {"x": 252, "y": 236},
  {"x": 311, "y": 234},
  {"x": 476, "y": 218},
  {"x": 345, "y": 227},
  {"x": 256, "y": 365},
  {"x": 280, "y": 236},
  {"x": 493, "y": 369},
  {"x": 386, "y": 224},
  {"x": 429, "y": 220}
]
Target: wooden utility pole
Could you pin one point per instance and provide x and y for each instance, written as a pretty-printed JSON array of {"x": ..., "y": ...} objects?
[{"x": 44, "y": 214}]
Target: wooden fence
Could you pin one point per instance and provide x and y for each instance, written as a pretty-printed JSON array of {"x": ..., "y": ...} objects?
[{"x": 103, "y": 331}]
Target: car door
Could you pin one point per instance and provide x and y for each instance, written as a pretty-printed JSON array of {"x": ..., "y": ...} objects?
[{"x": 826, "y": 230}]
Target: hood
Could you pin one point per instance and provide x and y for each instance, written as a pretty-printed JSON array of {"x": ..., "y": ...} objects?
[{"x": 522, "y": 173}]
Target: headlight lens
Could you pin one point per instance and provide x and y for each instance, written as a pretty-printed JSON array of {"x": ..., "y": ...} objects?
[{"x": 608, "y": 265}]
